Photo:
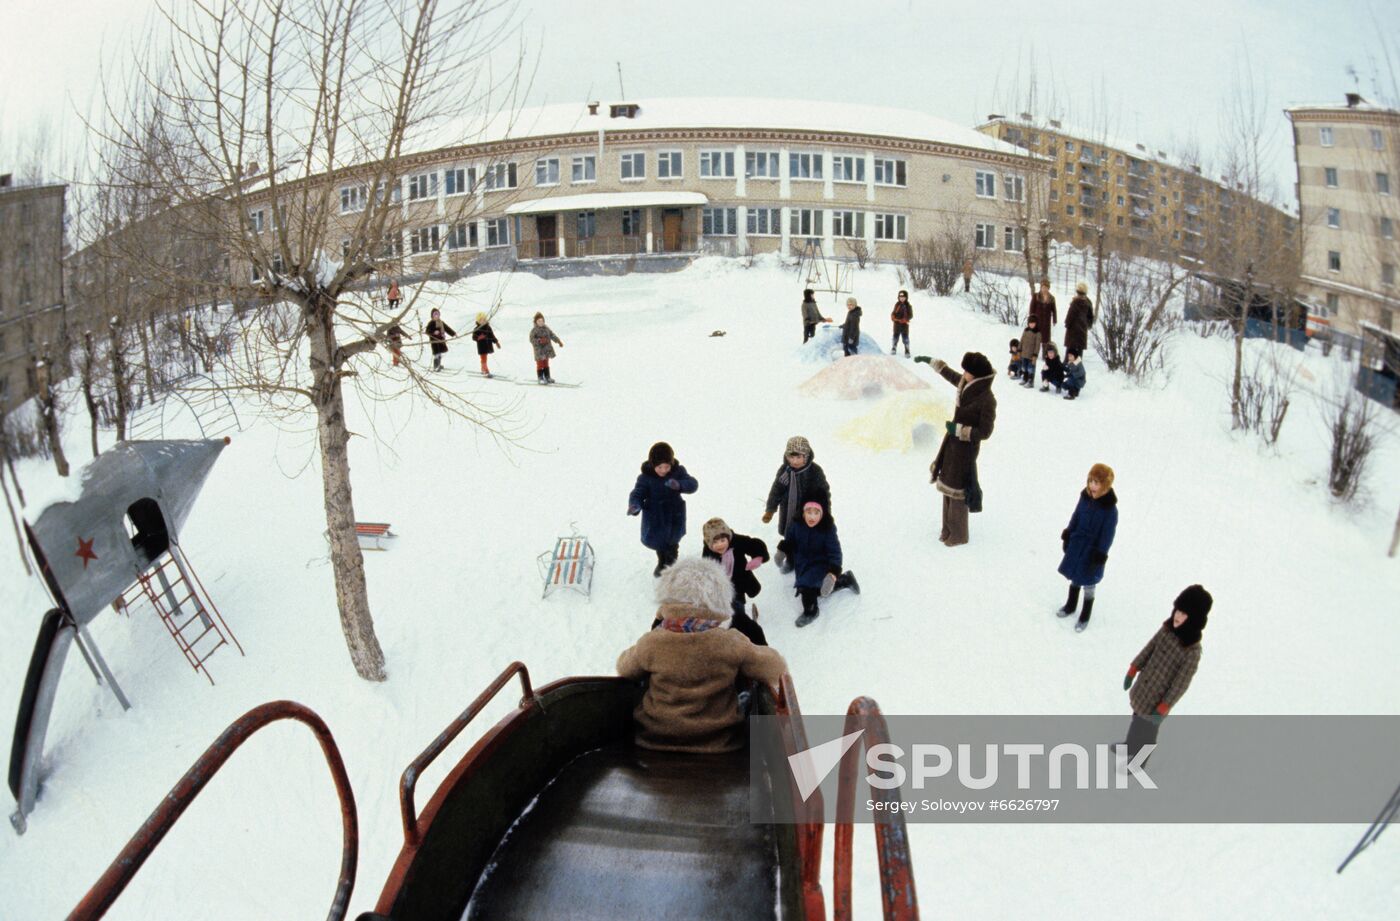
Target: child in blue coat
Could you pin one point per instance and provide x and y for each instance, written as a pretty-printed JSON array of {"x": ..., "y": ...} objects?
[
  {"x": 1087, "y": 540},
  {"x": 815, "y": 550},
  {"x": 657, "y": 497},
  {"x": 1074, "y": 373}
]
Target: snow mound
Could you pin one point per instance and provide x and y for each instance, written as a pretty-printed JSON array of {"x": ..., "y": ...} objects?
[
  {"x": 902, "y": 422},
  {"x": 825, "y": 345},
  {"x": 858, "y": 376}
]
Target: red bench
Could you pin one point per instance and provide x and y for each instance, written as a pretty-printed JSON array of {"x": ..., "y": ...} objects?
[{"x": 371, "y": 534}]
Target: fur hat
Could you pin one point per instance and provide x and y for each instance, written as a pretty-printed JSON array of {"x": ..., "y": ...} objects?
[
  {"x": 1015, "y": 343},
  {"x": 1032, "y": 320},
  {"x": 976, "y": 364},
  {"x": 1081, "y": 288},
  {"x": 661, "y": 453},
  {"x": 1074, "y": 353},
  {"x": 1051, "y": 347},
  {"x": 808, "y": 294},
  {"x": 698, "y": 582},
  {"x": 715, "y": 527},
  {"x": 798, "y": 445},
  {"x": 1195, "y": 602},
  {"x": 1103, "y": 473},
  {"x": 851, "y": 302}
]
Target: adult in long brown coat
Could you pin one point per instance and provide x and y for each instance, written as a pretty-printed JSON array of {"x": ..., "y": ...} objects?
[
  {"x": 692, "y": 661},
  {"x": 1046, "y": 314},
  {"x": 1078, "y": 319},
  {"x": 954, "y": 468},
  {"x": 1166, "y": 665}
]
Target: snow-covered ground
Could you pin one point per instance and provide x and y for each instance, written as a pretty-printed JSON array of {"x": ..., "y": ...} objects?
[{"x": 1304, "y": 618}]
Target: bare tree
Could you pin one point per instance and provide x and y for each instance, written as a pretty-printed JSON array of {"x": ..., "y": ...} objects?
[
  {"x": 275, "y": 137},
  {"x": 1353, "y": 429},
  {"x": 1137, "y": 316}
]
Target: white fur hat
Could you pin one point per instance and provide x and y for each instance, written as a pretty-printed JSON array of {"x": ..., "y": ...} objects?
[{"x": 699, "y": 582}]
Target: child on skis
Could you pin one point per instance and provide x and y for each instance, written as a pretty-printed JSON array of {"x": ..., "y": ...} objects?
[
  {"x": 900, "y": 316},
  {"x": 1054, "y": 371},
  {"x": 1074, "y": 373},
  {"x": 1013, "y": 370},
  {"x": 1030, "y": 350},
  {"x": 438, "y": 331},
  {"x": 798, "y": 480},
  {"x": 1087, "y": 540},
  {"x": 540, "y": 338},
  {"x": 658, "y": 498},
  {"x": 486, "y": 341},
  {"x": 815, "y": 550},
  {"x": 1165, "y": 666},
  {"x": 850, "y": 330},
  {"x": 395, "y": 336}
]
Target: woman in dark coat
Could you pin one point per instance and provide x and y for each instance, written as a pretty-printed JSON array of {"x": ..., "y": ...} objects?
[
  {"x": 813, "y": 546},
  {"x": 1046, "y": 314},
  {"x": 799, "y": 480},
  {"x": 1087, "y": 540},
  {"x": 438, "y": 332},
  {"x": 658, "y": 498},
  {"x": 954, "y": 469},
  {"x": 1079, "y": 318}
]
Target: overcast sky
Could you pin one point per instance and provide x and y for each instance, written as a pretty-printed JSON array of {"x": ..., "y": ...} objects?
[{"x": 1159, "y": 70}]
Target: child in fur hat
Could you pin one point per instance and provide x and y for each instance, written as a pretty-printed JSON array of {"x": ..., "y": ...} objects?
[
  {"x": 692, "y": 662},
  {"x": 799, "y": 480},
  {"x": 1054, "y": 371},
  {"x": 812, "y": 544},
  {"x": 1087, "y": 540},
  {"x": 1013, "y": 370},
  {"x": 1074, "y": 373},
  {"x": 850, "y": 330},
  {"x": 740, "y": 555},
  {"x": 1165, "y": 666},
  {"x": 657, "y": 497},
  {"x": 540, "y": 338},
  {"x": 486, "y": 341},
  {"x": 1030, "y": 348}
]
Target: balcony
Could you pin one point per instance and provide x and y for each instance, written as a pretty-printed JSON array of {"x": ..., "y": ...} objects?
[
  {"x": 1142, "y": 213},
  {"x": 1087, "y": 177}
]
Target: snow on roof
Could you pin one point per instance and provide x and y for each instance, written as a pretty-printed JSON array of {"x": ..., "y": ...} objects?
[
  {"x": 597, "y": 200},
  {"x": 1361, "y": 106},
  {"x": 736, "y": 113},
  {"x": 1097, "y": 138}
]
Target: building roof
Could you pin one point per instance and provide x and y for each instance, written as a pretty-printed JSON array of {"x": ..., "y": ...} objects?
[
  {"x": 1132, "y": 148},
  {"x": 733, "y": 113},
  {"x": 597, "y": 200},
  {"x": 1341, "y": 108}
]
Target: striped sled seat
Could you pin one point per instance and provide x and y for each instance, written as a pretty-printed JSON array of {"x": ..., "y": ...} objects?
[{"x": 568, "y": 565}]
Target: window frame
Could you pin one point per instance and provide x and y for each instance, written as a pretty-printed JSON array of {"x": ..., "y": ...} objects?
[
  {"x": 708, "y": 159},
  {"x": 583, "y": 163},
  {"x": 1334, "y": 218},
  {"x": 466, "y": 231},
  {"x": 814, "y": 160},
  {"x": 814, "y": 221},
  {"x": 728, "y": 216},
  {"x": 839, "y": 162},
  {"x": 1325, "y": 136},
  {"x": 452, "y": 188},
  {"x": 675, "y": 165},
  {"x": 984, "y": 184},
  {"x": 417, "y": 183},
  {"x": 1334, "y": 260},
  {"x": 545, "y": 163},
  {"x": 896, "y": 165},
  {"x": 773, "y": 165},
  {"x": 629, "y": 161},
  {"x": 585, "y": 224},
  {"x": 352, "y": 195},
  {"x": 773, "y": 218},
  {"x": 494, "y": 173},
  {"x": 427, "y": 234},
  {"x": 500, "y": 228},
  {"x": 885, "y": 233},
  {"x": 1331, "y": 178},
  {"x": 841, "y": 217},
  {"x": 984, "y": 236}
]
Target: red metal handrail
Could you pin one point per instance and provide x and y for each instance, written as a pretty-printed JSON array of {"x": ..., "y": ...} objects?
[
  {"x": 897, "y": 895},
  {"x": 107, "y": 888},
  {"x": 409, "y": 780},
  {"x": 812, "y": 823}
]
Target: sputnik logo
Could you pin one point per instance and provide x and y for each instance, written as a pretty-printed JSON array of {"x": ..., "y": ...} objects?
[{"x": 811, "y": 766}]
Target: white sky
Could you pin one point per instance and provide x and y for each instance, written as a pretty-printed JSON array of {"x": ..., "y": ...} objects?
[{"x": 1159, "y": 69}]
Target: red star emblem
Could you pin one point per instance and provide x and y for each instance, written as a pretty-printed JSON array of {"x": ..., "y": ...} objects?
[{"x": 85, "y": 551}]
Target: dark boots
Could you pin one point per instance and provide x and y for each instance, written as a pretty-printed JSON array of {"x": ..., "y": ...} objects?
[
  {"x": 1084, "y": 616},
  {"x": 539, "y": 375},
  {"x": 809, "y": 608},
  {"x": 1071, "y": 602},
  {"x": 847, "y": 580},
  {"x": 664, "y": 558}
]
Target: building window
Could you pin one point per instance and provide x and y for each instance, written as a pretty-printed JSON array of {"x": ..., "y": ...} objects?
[
  {"x": 1069, "y": 147},
  {"x": 586, "y": 224},
  {"x": 257, "y": 219},
  {"x": 393, "y": 246},
  {"x": 631, "y": 222},
  {"x": 668, "y": 165},
  {"x": 1334, "y": 305},
  {"x": 462, "y": 235},
  {"x": 717, "y": 164},
  {"x": 765, "y": 222},
  {"x": 498, "y": 232},
  {"x": 890, "y": 227},
  {"x": 761, "y": 164},
  {"x": 353, "y": 198},
  {"x": 1334, "y": 261},
  {"x": 1329, "y": 176},
  {"x": 1377, "y": 139},
  {"x": 634, "y": 166},
  {"x": 384, "y": 193},
  {"x": 1388, "y": 274},
  {"x": 423, "y": 185},
  {"x": 1383, "y": 183},
  {"x": 459, "y": 180},
  {"x": 805, "y": 165},
  {"x": 847, "y": 169},
  {"x": 1013, "y": 239},
  {"x": 547, "y": 171},
  {"x": 1120, "y": 201},
  {"x": 1387, "y": 228},
  {"x": 891, "y": 172},
  {"x": 848, "y": 224},
  {"x": 1014, "y": 188},
  {"x": 806, "y": 222},
  {"x": 719, "y": 222},
  {"x": 585, "y": 169},
  {"x": 986, "y": 185},
  {"x": 1069, "y": 169},
  {"x": 1054, "y": 173},
  {"x": 424, "y": 240},
  {"x": 1069, "y": 209},
  {"x": 1120, "y": 220},
  {"x": 1334, "y": 217},
  {"x": 1054, "y": 194},
  {"x": 1325, "y": 135},
  {"x": 985, "y": 236},
  {"x": 500, "y": 176}
]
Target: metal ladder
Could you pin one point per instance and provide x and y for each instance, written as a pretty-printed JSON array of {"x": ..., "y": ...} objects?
[{"x": 172, "y": 588}]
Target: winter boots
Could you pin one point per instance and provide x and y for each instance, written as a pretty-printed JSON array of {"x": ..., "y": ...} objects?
[
  {"x": 809, "y": 610},
  {"x": 847, "y": 580},
  {"x": 542, "y": 375},
  {"x": 1084, "y": 616},
  {"x": 1071, "y": 603}
]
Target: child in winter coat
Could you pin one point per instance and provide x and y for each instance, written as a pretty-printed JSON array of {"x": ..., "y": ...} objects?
[
  {"x": 394, "y": 296},
  {"x": 1074, "y": 373},
  {"x": 486, "y": 341},
  {"x": 1013, "y": 370},
  {"x": 799, "y": 480},
  {"x": 540, "y": 337},
  {"x": 900, "y": 316},
  {"x": 815, "y": 550},
  {"x": 438, "y": 332},
  {"x": 395, "y": 335},
  {"x": 1165, "y": 666},
  {"x": 1087, "y": 540},
  {"x": 691, "y": 664},
  {"x": 1054, "y": 370},
  {"x": 1030, "y": 350},
  {"x": 657, "y": 497},
  {"x": 811, "y": 315},
  {"x": 850, "y": 330},
  {"x": 740, "y": 555}
]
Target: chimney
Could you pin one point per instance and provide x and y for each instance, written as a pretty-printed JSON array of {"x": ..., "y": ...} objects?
[
  {"x": 252, "y": 169},
  {"x": 623, "y": 110},
  {"x": 5, "y": 181},
  {"x": 994, "y": 117},
  {"x": 1054, "y": 123},
  {"x": 1025, "y": 116},
  {"x": 593, "y": 108},
  {"x": 1353, "y": 100}
]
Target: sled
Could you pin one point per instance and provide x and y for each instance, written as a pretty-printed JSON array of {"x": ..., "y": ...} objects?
[
  {"x": 372, "y": 534},
  {"x": 568, "y": 565}
]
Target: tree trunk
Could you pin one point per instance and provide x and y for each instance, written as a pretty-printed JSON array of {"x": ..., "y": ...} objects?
[
  {"x": 89, "y": 360},
  {"x": 146, "y": 360},
  {"x": 1395, "y": 538},
  {"x": 1236, "y": 402},
  {"x": 1098, "y": 267},
  {"x": 119, "y": 383},
  {"x": 347, "y": 561},
  {"x": 49, "y": 414}
]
